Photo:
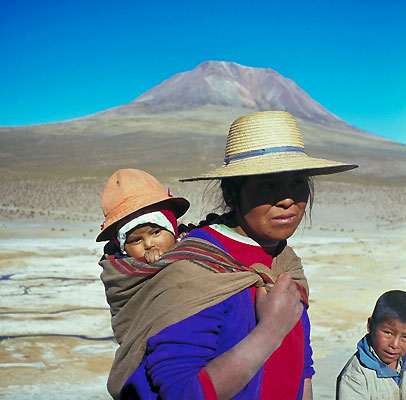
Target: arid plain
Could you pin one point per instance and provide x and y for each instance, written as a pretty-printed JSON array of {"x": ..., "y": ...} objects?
[
  {"x": 56, "y": 340},
  {"x": 55, "y": 322}
]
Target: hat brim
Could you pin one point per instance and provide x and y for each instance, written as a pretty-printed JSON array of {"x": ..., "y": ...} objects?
[
  {"x": 178, "y": 205},
  {"x": 275, "y": 163}
]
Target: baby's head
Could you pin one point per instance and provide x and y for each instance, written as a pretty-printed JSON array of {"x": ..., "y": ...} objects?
[
  {"x": 154, "y": 230},
  {"x": 138, "y": 211},
  {"x": 387, "y": 326}
]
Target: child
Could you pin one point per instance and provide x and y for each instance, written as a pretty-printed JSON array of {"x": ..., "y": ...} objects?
[
  {"x": 140, "y": 216},
  {"x": 376, "y": 370}
]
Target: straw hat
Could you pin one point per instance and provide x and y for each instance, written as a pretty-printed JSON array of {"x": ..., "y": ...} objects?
[
  {"x": 268, "y": 142},
  {"x": 130, "y": 190}
]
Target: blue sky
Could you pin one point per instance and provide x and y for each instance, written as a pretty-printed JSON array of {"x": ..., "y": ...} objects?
[{"x": 64, "y": 59}]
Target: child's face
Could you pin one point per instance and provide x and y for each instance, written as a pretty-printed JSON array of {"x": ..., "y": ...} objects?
[
  {"x": 146, "y": 237},
  {"x": 388, "y": 340}
]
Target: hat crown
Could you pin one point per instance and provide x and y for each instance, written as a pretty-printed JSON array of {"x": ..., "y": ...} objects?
[
  {"x": 126, "y": 184},
  {"x": 263, "y": 130},
  {"x": 265, "y": 143}
]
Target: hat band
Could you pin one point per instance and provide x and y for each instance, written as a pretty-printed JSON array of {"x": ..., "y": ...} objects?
[{"x": 259, "y": 152}]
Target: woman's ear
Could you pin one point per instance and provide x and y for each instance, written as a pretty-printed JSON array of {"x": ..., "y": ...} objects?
[{"x": 229, "y": 196}]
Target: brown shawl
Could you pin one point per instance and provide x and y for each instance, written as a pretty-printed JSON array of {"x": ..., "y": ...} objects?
[{"x": 144, "y": 299}]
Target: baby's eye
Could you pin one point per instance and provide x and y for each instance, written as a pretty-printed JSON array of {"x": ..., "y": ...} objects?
[
  {"x": 133, "y": 241},
  {"x": 156, "y": 232}
]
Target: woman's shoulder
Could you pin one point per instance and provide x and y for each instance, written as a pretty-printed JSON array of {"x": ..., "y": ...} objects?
[{"x": 204, "y": 233}]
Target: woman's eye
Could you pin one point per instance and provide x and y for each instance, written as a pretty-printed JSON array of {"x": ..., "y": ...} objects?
[
  {"x": 269, "y": 186},
  {"x": 299, "y": 183}
]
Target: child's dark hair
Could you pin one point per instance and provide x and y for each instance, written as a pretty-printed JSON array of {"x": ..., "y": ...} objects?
[{"x": 390, "y": 305}]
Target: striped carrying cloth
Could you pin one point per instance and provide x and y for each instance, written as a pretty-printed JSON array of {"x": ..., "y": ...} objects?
[
  {"x": 197, "y": 251},
  {"x": 144, "y": 299}
]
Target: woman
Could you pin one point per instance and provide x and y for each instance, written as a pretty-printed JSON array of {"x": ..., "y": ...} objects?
[{"x": 200, "y": 334}]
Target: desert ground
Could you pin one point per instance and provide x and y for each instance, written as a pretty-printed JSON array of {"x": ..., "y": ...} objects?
[{"x": 55, "y": 335}]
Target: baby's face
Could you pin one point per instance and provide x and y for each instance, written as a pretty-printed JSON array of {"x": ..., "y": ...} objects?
[
  {"x": 388, "y": 340},
  {"x": 146, "y": 237}
]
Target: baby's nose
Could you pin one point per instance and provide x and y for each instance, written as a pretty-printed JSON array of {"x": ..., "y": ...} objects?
[{"x": 148, "y": 243}]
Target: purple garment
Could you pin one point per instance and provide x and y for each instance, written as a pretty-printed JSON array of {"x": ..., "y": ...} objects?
[
  {"x": 175, "y": 356},
  {"x": 308, "y": 369}
]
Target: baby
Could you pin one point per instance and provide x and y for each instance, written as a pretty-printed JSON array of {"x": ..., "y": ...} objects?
[{"x": 140, "y": 217}]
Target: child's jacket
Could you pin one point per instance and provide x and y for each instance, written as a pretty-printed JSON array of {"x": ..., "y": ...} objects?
[{"x": 366, "y": 377}]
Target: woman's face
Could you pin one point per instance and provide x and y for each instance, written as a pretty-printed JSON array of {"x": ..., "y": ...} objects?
[{"x": 271, "y": 206}]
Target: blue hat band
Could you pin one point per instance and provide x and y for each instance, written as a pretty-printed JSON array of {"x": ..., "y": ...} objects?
[{"x": 260, "y": 152}]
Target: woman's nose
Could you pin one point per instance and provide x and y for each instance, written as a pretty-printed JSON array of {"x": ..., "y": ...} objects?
[{"x": 285, "y": 202}]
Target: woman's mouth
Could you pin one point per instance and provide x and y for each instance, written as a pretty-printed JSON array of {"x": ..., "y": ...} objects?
[{"x": 284, "y": 219}]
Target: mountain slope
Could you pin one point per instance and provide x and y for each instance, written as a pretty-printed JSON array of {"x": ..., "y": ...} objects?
[
  {"x": 180, "y": 126},
  {"x": 233, "y": 85}
]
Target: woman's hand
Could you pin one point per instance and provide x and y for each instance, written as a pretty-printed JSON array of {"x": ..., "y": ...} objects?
[
  {"x": 279, "y": 309},
  {"x": 277, "y": 312}
]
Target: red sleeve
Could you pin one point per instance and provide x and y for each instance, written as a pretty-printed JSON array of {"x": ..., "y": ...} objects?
[
  {"x": 207, "y": 385},
  {"x": 303, "y": 294}
]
